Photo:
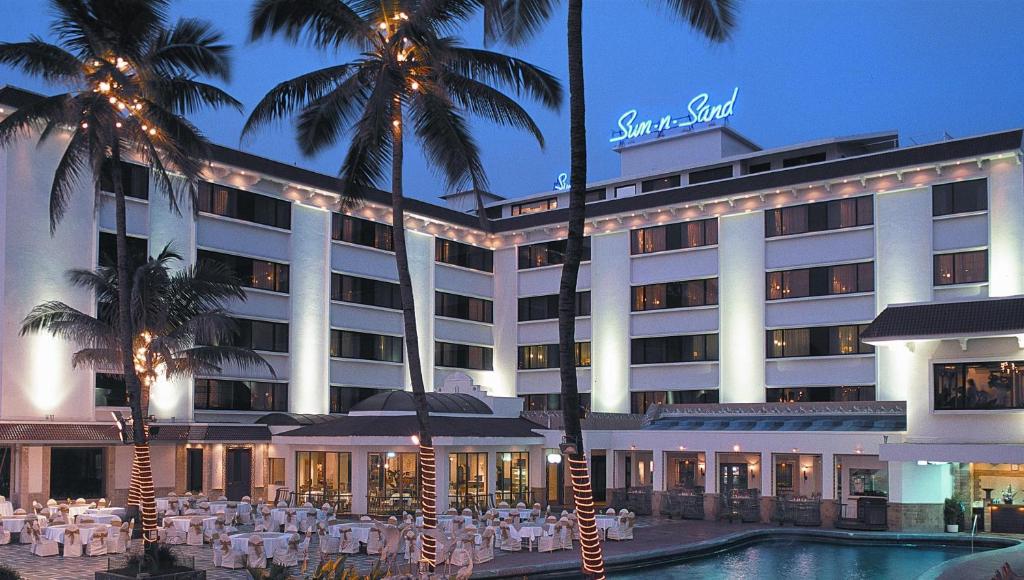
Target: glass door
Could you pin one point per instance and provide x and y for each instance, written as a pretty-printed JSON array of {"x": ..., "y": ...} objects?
[
  {"x": 467, "y": 480},
  {"x": 732, "y": 477},
  {"x": 513, "y": 477}
]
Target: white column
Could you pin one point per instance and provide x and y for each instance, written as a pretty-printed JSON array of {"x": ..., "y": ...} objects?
[
  {"x": 420, "y": 248},
  {"x": 903, "y": 273},
  {"x": 660, "y": 463},
  {"x": 506, "y": 316},
  {"x": 442, "y": 477},
  {"x": 1006, "y": 228},
  {"x": 609, "y": 306},
  {"x": 172, "y": 399},
  {"x": 492, "y": 471},
  {"x": 710, "y": 472},
  {"x": 309, "y": 293},
  {"x": 765, "y": 465},
  {"x": 360, "y": 480},
  {"x": 741, "y": 308},
  {"x": 828, "y": 476}
]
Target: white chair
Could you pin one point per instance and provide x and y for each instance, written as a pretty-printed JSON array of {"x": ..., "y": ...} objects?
[
  {"x": 117, "y": 543},
  {"x": 564, "y": 539},
  {"x": 260, "y": 522},
  {"x": 506, "y": 541},
  {"x": 291, "y": 522},
  {"x": 375, "y": 541},
  {"x": 465, "y": 546},
  {"x": 288, "y": 555},
  {"x": 329, "y": 544},
  {"x": 255, "y": 557},
  {"x": 170, "y": 534},
  {"x": 72, "y": 542},
  {"x": 245, "y": 511},
  {"x": 549, "y": 540},
  {"x": 623, "y": 530},
  {"x": 97, "y": 545},
  {"x": 308, "y": 522},
  {"x": 40, "y": 546},
  {"x": 5, "y": 536},
  {"x": 413, "y": 545},
  {"x": 226, "y": 557},
  {"x": 195, "y": 532},
  {"x": 348, "y": 544},
  {"x": 485, "y": 551}
]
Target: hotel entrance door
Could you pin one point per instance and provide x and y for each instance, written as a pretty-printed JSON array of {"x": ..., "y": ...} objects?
[{"x": 732, "y": 477}]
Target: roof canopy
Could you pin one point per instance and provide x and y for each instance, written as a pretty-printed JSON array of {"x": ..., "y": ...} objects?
[
  {"x": 965, "y": 319},
  {"x": 402, "y": 402},
  {"x": 405, "y": 426}
]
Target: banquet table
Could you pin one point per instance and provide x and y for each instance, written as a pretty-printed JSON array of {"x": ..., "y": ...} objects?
[
  {"x": 182, "y": 522},
  {"x": 73, "y": 510},
  {"x": 271, "y": 542},
  {"x": 279, "y": 515},
  {"x": 528, "y": 533},
  {"x": 6, "y": 509},
  {"x": 14, "y": 524},
  {"x": 605, "y": 522},
  {"x": 523, "y": 513},
  {"x": 360, "y": 530},
  {"x": 98, "y": 518},
  {"x": 56, "y": 533},
  {"x": 218, "y": 506}
]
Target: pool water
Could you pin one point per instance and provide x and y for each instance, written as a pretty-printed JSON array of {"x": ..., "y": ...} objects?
[{"x": 805, "y": 560}]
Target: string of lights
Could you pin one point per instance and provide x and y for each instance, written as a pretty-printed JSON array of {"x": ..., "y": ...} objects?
[
  {"x": 583, "y": 494},
  {"x": 147, "y": 492},
  {"x": 428, "y": 502}
]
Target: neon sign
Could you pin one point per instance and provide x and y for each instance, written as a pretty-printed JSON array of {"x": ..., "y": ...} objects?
[
  {"x": 698, "y": 111},
  {"x": 561, "y": 182}
]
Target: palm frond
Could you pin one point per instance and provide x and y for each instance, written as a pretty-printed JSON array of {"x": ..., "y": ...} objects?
[
  {"x": 714, "y": 19},
  {"x": 291, "y": 95},
  {"x": 39, "y": 58},
  {"x": 487, "y": 102},
  {"x": 516, "y": 21},
  {"x": 323, "y": 120},
  {"x": 74, "y": 163},
  {"x": 370, "y": 149},
  {"x": 208, "y": 359},
  {"x": 499, "y": 69},
  {"x": 446, "y": 140},
  {"x": 191, "y": 47},
  {"x": 35, "y": 116},
  {"x": 184, "y": 95},
  {"x": 68, "y": 323},
  {"x": 97, "y": 358},
  {"x": 323, "y": 23}
]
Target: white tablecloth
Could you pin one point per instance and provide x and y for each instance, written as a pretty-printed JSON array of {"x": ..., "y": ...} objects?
[
  {"x": 73, "y": 511},
  {"x": 271, "y": 542},
  {"x": 279, "y": 515},
  {"x": 218, "y": 506},
  {"x": 6, "y": 509},
  {"x": 56, "y": 533},
  {"x": 14, "y": 524},
  {"x": 605, "y": 522},
  {"x": 182, "y": 522},
  {"x": 360, "y": 530},
  {"x": 523, "y": 513},
  {"x": 98, "y": 518},
  {"x": 107, "y": 511}
]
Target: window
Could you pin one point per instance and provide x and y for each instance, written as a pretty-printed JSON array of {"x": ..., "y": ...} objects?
[
  {"x": 596, "y": 195},
  {"x": 961, "y": 268},
  {"x": 759, "y": 167},
  {"x": 244, "y": 205},
  {"x": 545, "y": 356},
  {"x": 322, "y": 475},
  {"x": 820, "y": 394},
  {"x": 110, "y": 390},
  {"x": 674, "y": 349},
  {"x": 392, "y": 476},
  {"x": 344, "y": 398},
  {"x": 275, "y": 470},
  {"x": 230, "y": 395},
  {"x": 138, "y": 250},
  {"x": 625, "y": 190},
  {"x": 512, "y": 478},
  {"x": 366, "y": 346},
  {"x": 803, "y": 160},
  {"x": 819, "y": 217},
  {"x": 345, "y": 288},
  {"x": 640, "y": 401},
  {"x": 252, "y": 272},
  {"x": 463, "y": 356},
  {"x": 979, "y": 385},
  {"x": 550, "y": 402},
  {"x": 134, "y": 179},
  {"x": 467, "y": 480},
  {"x": 548, "y": 253},
  {"x": 194, "y": 469},
  {"x": 262, "y": 335},
  {"x": 464, "y": 255},
  {"x": 660, "y": 183},
  {"x": 464, "y": 307},
  {"x": 820, "y": 281},
  {"x": 817, "y": 341},
  {"x": 675, "y": 295},
  {"x": 713, "y": 174},
  {"x": 534, "y": 206},
  {"x": 960, "y": 197},
  {"x": 546, "y": 307},
  {"x": 77, "y": 472},
  {"x": 674, "y": 236},
  {"x": 346, "y": 228}
]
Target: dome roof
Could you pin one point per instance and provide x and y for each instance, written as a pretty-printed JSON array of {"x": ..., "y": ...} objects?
[
  {"x": 402, "y": 401},
  {"x": 278, "y": 419}
]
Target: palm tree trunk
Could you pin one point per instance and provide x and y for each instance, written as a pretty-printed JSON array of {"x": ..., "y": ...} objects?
[
  {"x": 427, "y": 461},
  {"x": 579, "y": 471},
  {"x": 141, "y": 468}
]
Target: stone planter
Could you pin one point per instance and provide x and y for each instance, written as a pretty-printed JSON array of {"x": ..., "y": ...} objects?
[{"x": 184, "y": 575}]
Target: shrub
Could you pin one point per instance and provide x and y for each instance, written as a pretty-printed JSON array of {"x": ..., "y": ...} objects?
[{"x": 9, "y": 573}]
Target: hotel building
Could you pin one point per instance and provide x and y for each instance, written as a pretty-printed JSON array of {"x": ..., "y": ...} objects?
[{"x": 839, "y": 319}]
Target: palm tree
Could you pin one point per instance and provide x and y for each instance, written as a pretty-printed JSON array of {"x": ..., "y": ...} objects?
[
  {"x": 129, "y": 80},
  {"x": 178, "y": 320},
  {"x": 408, "y": 67},
  {"x": 516, "y": 21}
]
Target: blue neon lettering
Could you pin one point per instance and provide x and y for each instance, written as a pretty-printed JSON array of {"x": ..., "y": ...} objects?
[
  {"x": 698, "y": 109},
  {"x": 562, "y": 183}
]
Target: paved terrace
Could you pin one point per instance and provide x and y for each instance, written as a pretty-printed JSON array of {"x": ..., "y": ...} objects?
[{"x": 654, "y": 536}]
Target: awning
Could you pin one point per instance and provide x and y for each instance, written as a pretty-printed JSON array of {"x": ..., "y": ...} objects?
[
  {"x": 953, "y": 452},
  {"x": 989, "y": 317},
  {"x": 405, "y": 425}
]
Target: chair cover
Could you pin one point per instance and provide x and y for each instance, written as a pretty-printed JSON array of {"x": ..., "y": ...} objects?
[
  {"x": 485, "y": 551},
  {"x": 348, "y": 544},
  {"x": 5, "y": 536},
  {"x": 97, "y": 545},
  {"x": 506, "y": 542},
  {"x": 328, "y": 543},
  {"x": 195, "y": 532},
  {"x": 375, "y": 541},
  {"x": 72, "y": 542},
  {"x": 289, "y": 555},
  {"x": 40, "y": 546},
  {"x": 255, "y": 557},
  {"x": 226, "y": 557},
  {"x": 117, "y": 543},
  {"x": 549, "y": 540},
  {"x": 565, "y": 533}
]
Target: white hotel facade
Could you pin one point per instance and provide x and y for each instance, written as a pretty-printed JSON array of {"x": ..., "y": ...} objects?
[{"x": 722, "y": 308}]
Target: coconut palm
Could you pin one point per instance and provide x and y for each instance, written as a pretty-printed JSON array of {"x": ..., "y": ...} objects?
[
  {"x": 516, "y": 21},
  {"x": 409, "y": 71},
  {"x": 128, "y": 79},
  {"x": 176, "y": 316}
]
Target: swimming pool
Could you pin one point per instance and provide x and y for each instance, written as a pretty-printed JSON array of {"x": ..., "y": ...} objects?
[{"x": 779, "y": 559}]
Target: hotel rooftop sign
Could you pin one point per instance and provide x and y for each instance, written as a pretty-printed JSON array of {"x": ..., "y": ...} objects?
[{"x": 699, "y": 111}]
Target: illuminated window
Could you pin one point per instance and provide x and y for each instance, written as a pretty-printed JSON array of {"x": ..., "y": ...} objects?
[
  {"x": 960, "y": 197},
  {"x": 979, "y": 385},
  {"x": 464, "y": 255},
  {"x": 549, "y": 253},
  {"x": 674, "y": 349},
  {"x": 534, "y": 206},
  {"x": 463, "y": 356},
  {"x": 675, "y": 295},
  {"x": 366, "y": 346},
  {"x": 818, "y": 217},
  {"x": 322, "y": 475},
  {"x": 820, "y": 394},
  {"x": 244, "y": 205},
  {"x": 512, "y": 483},
  {"x": 546, "y": 307},
  {"x": 961, "y": 268},
  {"x": 545, "y": 356},
  {"x": 353, "y": 230},
  {"x": 467, "y": 480},
  {"x": 820, "y": 281},
  {"x": 251, "y": 272},
  {"x": 463, "y": 307},
  {"x": 674, "y": 236},
  {"x": 367, "y": 291},
  {"x": 817, "y": 341}
]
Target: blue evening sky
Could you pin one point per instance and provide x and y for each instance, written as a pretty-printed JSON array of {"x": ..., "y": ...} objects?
[{"x": 806, "y": 70}]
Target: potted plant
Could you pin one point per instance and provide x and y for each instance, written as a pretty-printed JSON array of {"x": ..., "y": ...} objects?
[{"x": 952, "y": 514}]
